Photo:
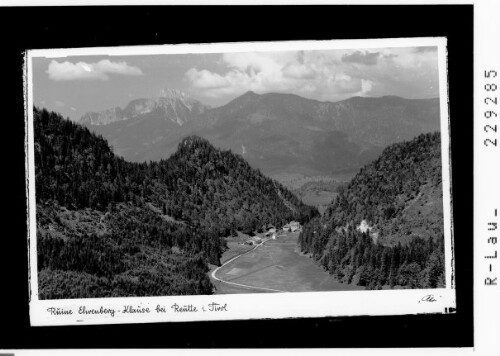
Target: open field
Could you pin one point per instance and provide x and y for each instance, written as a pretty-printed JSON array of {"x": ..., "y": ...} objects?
[
  {"x": 320, "y": 199},
  {"x": 235, "y": 249},
  {"x": 318, "y": 191},
  {"x": 235, "y": 246},
  {"x": 278, "y": 265},
  {"x": 295, "y": 181}
]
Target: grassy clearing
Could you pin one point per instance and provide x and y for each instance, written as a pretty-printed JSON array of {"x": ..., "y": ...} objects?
[
  {"x": 235, "y": 248},
  {"x": 318, "y": 191},
  {"x": 319, "y": 199},
  {"x": 278, "y": 265}
]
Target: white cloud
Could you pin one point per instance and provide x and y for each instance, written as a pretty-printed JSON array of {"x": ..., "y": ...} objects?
[
  {"x": 90, "y": 71},
  {"x": 206, "y": 79},
  {"x": 299, "y": 71},
  {"x": 59, "y": 104},
  {"x": 322, "y": 75},
  {"x": 359, "y": 57},
  {"x": 366, "y": 86},
  {"x": 259, "y": 61},
  {"x": 259, "y": 72}
]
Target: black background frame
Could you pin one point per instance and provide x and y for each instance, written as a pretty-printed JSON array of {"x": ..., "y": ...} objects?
[{"x": 65, "y": 27}]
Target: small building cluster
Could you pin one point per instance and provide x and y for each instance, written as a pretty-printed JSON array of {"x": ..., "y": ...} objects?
[
  {"x": 272, "y": 232},
  {"x": 292, "y": 226},
  {"x": 254, "y": 240}
]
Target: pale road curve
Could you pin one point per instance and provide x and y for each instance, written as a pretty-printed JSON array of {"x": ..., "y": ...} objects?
[{"x": 239, "y": 284}]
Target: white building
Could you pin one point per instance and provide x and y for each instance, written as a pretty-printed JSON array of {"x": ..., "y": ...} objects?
[{"x": 294, "y": 226}]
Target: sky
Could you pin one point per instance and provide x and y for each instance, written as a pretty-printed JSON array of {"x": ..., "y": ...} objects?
[{"x": 79, "y": 84}]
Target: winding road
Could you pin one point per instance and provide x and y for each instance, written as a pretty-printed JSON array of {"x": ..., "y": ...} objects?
[{"x": 239, "y": 284}]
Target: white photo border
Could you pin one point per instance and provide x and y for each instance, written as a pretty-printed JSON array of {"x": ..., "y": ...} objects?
[{"x": 244, "y": 306}]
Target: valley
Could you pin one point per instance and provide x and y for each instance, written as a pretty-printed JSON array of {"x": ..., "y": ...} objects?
[
  {"x": 109, "y": 226},
  {"x": 183, "y": 171},
  {"x": 275, "y": 265},
  {"x": 317, "y": 191}
]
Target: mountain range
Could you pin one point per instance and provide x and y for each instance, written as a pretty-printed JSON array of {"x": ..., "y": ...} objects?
[
  {"x": 171, "y": 105},
  {"x": 277, "y": 133}
]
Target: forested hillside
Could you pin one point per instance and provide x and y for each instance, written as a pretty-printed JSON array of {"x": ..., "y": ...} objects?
[
  {"x": 385, "y": 228},
  {"x": 107, "y": 227}
]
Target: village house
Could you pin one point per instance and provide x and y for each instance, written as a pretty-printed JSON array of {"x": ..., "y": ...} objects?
[
  {"x": 270, "y": 232},
  {"x": 294, "y": 226},
  {"x": 255, "y": 240}
]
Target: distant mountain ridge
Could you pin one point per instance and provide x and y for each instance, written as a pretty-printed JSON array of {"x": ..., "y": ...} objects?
[
  {"x": 173, "y": 105},
  {"x": 276, "y": 132}
]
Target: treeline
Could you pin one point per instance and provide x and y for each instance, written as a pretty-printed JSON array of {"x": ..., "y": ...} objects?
[
  {"x": 79, "y": 170},
  {"x": 95, "y": 266},
  {"x": 404, "y": 245},
  {"x": 351, "y": 256},
  {"x": 176, "y": 210}
]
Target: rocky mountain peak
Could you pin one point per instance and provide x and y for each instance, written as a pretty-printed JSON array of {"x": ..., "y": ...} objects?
[
  {"x": 170, "y": 104},
  {"x": 102, "y": 118},
  {"x": 174, "y": 97},
  {"x": 175, "y": 94}
]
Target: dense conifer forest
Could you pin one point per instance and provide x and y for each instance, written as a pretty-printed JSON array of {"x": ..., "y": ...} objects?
[
  {"x": 385, "y": 228},
  {"x": 108, "y": 227}
]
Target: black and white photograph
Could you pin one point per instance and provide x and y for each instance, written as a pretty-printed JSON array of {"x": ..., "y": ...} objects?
[
  {"x": 260, "y": 169},
  {"x": 189, "y": 177}
]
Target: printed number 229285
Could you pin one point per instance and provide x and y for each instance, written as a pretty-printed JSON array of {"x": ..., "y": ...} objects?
[{"x": 491, "y": 111}]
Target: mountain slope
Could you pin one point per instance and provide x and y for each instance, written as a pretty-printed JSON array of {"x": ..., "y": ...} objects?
[
  {"x": 108, "y": 227},
  {"x": 284, "y": 132},
  {"x": 386, "y": 227},
  {"x": 403, "y": 184},
  {"x": 144, "y": 122}
]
